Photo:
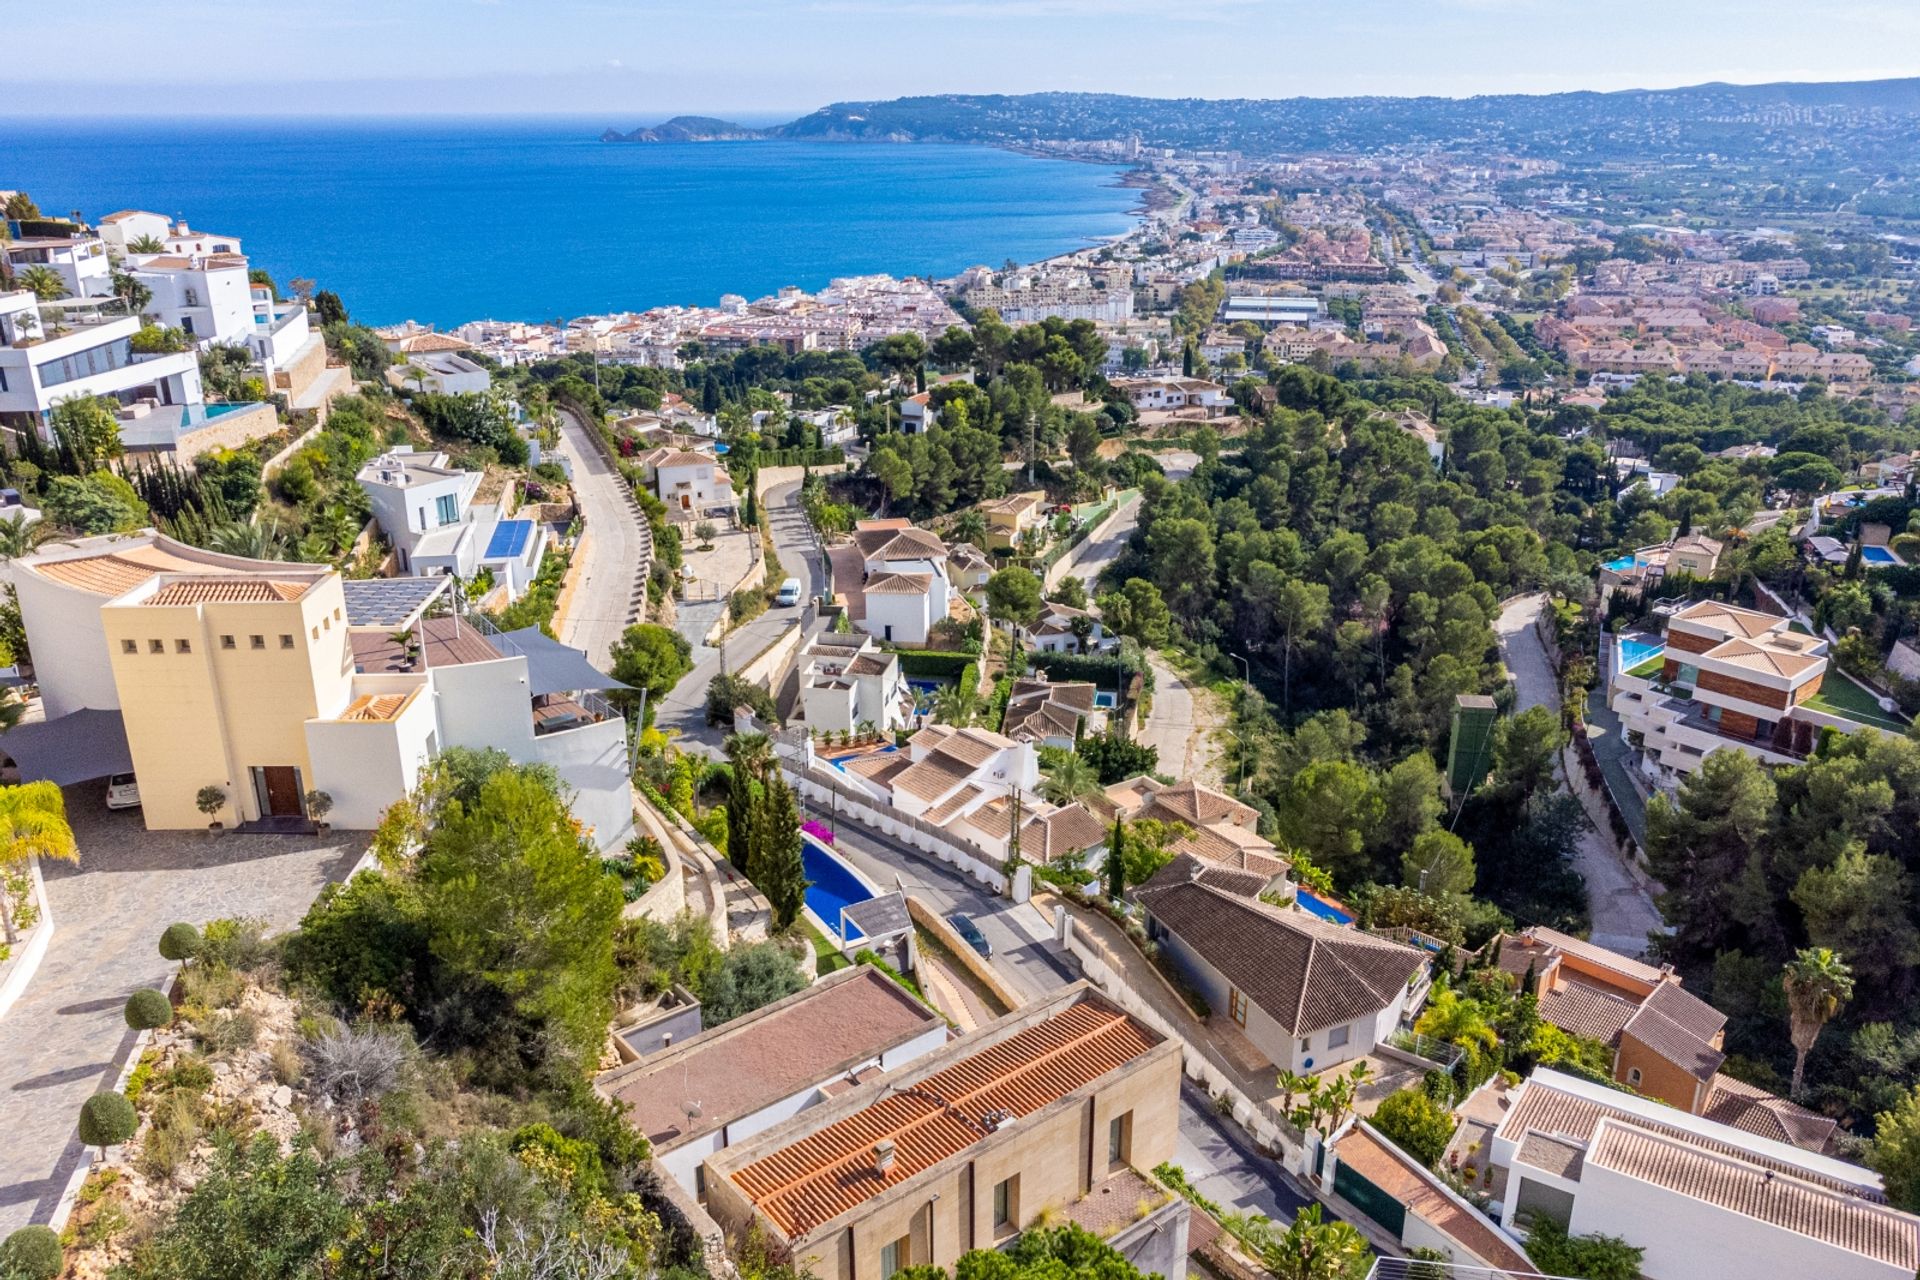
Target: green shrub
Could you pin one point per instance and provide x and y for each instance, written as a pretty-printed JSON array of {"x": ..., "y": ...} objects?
[
  {"x": 1585, "y": 1257},
  {"x": 32, "y": 1253},
  {"x": 1416, "y": 1123},
  {"x": 181, "y": 942},
  {"x": 236, "y": 943},
  {"x": 574, "y": 1161},
  {"x": 206, "y": 988},
  {"x": 190, "y": 1074},
  {"x": 107, "y": 1120},
  {"x": 934, "y": 663},
  {"x": 170, "y": 1139},
  {"x": 147, "y": 1010},
  {"x": 361, "y": 937}
]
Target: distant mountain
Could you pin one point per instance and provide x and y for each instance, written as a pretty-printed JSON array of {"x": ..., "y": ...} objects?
[
  {"x": 1702, "y": 119},
  {"x": 687, "y": 129}
]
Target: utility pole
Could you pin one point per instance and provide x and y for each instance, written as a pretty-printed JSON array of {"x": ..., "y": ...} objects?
[{"x": 1033, "y": 424}]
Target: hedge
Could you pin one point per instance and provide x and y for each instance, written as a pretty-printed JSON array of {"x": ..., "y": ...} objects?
[
  {"x": 833, "y": 457},
  {"x": 1105, "y": 670},
  {"x": 935, "y": 663}
]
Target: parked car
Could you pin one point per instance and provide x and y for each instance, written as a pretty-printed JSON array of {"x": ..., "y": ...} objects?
[
  {"x": 789, "y": 594},
  {"x": 123, "y": 791},
  {"x": 964, "y": 926}
]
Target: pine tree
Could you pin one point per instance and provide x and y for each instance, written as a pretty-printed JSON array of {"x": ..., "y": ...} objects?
[
  {"x": 1117, "y": 861},
  {"x": 782, "y": 876}
]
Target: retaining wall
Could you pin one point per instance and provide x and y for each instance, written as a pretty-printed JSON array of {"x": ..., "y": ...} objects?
[{"x": 932, "y": 921}]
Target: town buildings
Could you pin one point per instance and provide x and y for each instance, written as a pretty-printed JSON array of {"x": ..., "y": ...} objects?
[
  {"x": 269, "y": 682},
  {"x": 965, "y": 1147}
]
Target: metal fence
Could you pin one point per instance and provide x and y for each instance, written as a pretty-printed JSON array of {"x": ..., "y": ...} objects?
[{"x": 1447, "y": 1055}]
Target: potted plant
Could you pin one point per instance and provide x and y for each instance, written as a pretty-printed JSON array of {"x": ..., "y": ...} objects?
[
  {"x": 319, "y": 805},
  {"x": 210, "y": 800}
]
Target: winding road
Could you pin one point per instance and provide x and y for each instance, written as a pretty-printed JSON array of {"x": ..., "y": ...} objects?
[{"x": 612, "y": 585}]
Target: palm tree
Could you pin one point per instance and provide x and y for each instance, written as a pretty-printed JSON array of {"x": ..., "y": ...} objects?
[
  {"x": 955, "y": 705},
  {"x": 750, "y": 753},
  {"x": 42, "y": 282},
  {"x": 18, "y": 537},
  {"x": 970, "y": 526},
  {"x": 33, "y": 823},
  {"x": 146, "y": 244},
  {"x": 1818, "y": 982},
  {"x": 239, "y": 538},
  {"x": 1072, "y": 779}
]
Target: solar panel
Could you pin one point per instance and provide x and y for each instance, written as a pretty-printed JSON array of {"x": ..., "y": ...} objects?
[
  {"x": 388, "y": 602},
  {"x": 509, "y": 540}
]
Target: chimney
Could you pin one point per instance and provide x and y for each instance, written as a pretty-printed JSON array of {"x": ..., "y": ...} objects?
[
  {"x": 666, "y": 1041},
  {"x": 883, "y": 1158}
]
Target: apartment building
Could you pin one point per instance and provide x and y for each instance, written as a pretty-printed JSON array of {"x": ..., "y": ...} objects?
[
  {"x": 847, "y": 681},
  {"x": 1724, "y": 677},
  {"x": 718, "y": 1088},
  {"x": 1050, "y": 1108},
  {"x": 1705, "y": 1200},
  {"x": 425, "y": 506},
  {"x": 271, "y": 680},
  {"x": 1304, "y": 992},
  {"x": 80, "y": 260},
  {"x": 57, "y": 351}
]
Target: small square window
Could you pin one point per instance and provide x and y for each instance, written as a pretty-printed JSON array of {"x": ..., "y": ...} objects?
[
  {"x": 129, "y": 646},
  {"x": 316, "y": 633},
  {"x": 256, "y": 642},
  {"x": 183, "y": 646},
  {"x": 226, "y": 642},
  {"x": 156, "y": 646},
  {"x": 286, "y": 641},
  {"x": 1338, "y": 1037},
  {"x": 336, "y": 613}
]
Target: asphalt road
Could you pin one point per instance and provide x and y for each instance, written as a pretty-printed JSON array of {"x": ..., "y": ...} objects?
[
  {"x": 1223, "y": 1166},
  {"x": 1095, "y": 554},
  {"x": 603, "y": 598},
  {"x": 685, "y": 708}
]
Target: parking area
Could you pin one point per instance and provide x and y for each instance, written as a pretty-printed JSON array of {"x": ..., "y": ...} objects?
[{"x": 66, "y": 1038}]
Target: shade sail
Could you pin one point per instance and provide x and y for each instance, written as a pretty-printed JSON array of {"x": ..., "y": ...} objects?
[
  {"x": 552, "y": 667},
  {"x": 77, "y": 747}
]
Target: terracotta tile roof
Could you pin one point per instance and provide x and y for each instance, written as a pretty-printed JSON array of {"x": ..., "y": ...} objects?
[
  {"x": 1385, "y": 1168},
  {"x": 682, "y": 458},
  {"x": 232, "y": 589},
  {"x": 906, "y": 543},
  {"x": 822, "y": 1175},
  {"x": 974, "y": 747},
  {"x": 1542, "y": 1107},
  {"x": 953, "y": 804},
  {"x": 1819, "y": 1213},
  {"x": 1753, "y": 1110},
  {"x": 870, "y": 664},
  {"x": 1764, "y": 658},
  {"x": 115, "y": 572},
  {"x": 1304, "y": 972},
  {"x": 376, "y": 707},
  {"x": 1554, "y": 940},
  {"x": 1729, "y": 618},
  {"x": 1066, "y": 830},
  {"x": 738, "y": 1068},
  {"x": 420, "y": 342},
  {"x": 1217, "y": 848},
  {"x": 1680, "y": 1028},
  {"x": 1191, "y": 802},
  {"x": 881, "y": 769},
  {"x": 899, "y": 584},
  {"x": 1587, "y": 1011},
  {"x": 932, "y": 778}
]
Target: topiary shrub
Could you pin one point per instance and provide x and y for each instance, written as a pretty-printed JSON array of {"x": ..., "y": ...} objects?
[
  {"x": 147, "y": 1010},
  {"x": 32, "y": 1253},
  {"x": 180, "y": 942},
  {"x": 107, "y": 1120}
]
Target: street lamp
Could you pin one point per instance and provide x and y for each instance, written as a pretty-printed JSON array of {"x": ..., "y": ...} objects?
[{"x": 1245, "y": 666}]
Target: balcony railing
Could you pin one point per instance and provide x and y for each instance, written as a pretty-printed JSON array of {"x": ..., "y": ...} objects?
[
  {"x": 1413, "y": 1269},
  {"x": 1447, "y": 1055}
]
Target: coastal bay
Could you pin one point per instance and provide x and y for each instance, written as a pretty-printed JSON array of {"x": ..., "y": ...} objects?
[{"x": 449, "y": 220}]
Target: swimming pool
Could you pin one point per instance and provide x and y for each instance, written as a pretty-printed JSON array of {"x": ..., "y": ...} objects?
[
  {"x": 1878, "y": 555},
  {"x": 1322, "y": 907},
  {"x": 831, "y": 885},
  {"x": 1106, "y": 701},
  {"x": 1635, "y": 650},
  {"x": 840, "y": 762},
  {"x": 1621, "y": 565}
]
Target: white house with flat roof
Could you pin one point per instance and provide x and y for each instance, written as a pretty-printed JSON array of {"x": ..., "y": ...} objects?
[
  {"x": 205, "y": 296},
  {"x": 80, "y": 261},
  {"x": 1706, "y": 1201},
  {"x": 847, "y": 681},
  {"x": 426, "y": 509},
  {"x": 51, "y": 352}
]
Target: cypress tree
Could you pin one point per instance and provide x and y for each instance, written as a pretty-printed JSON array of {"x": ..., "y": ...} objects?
[
  {"x": 1117, "y": 861},
  {"x": 782, "y": 873},
  {"x": 1854, "y": 557}
]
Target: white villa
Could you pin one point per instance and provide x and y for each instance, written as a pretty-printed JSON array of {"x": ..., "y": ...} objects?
[
  {"x": 692, "y": 484},
  {"x": 426, "y": 508},
  {"x": 847, "y": 681}
]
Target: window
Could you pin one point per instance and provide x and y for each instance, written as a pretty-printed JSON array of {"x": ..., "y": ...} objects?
[
  {"x": 1338, "y": 1037},
  {"x": 1686, "y": 674},
  {"x": 286, "y": 641},
  {"x": 1120, "y": 1138},
  {"x": 446, "y": 508},
  {"x": 129, "y": 646},
  {"x": 1005, "y": 1203},
  {"x": 183, "y": 646},
  {"x": 186, "y": 322},
  {"x": 256, "y": 642},
  {"x": 336, "y": 613},
  {"x": 1306, "y": 1044},
  {"x": 1633, "y": 1075},
  {"x": 226, "y": 642},
  {"x": 316, "y": 633},
  {"x": 156, "y": 646},
  {"x": 1237, "y": 1006},
  {"x": 895, "y": 1255}
]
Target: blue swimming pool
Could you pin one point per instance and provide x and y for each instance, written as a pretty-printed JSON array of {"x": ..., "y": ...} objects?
[
  {"x": 1878, "y": 555},
  {"x": 840, "y": 762},
  {"x": 1319, "y": 906},
  {"x": 1621, "y": 565},
  {"x": 831, "y": 883},
  {"x": 1635, "y": 650},
  {"x": 1106, "y": 701}
]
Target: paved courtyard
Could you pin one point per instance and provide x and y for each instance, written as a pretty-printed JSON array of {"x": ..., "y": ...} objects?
[{"x": 66, "y": 1039}]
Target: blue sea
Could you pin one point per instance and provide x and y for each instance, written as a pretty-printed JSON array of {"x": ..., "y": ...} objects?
[{"x": 447, "y": 220}]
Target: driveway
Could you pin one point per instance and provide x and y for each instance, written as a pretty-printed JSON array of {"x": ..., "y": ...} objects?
[
  {"x": 1223, "y": 1166},
  {"x": 1621, "y": 905},
  {"x": 66, "y": 1039},
  {"x": 1173, "y": 727},
  {"x": 611, "y": 587},
  {"x": 684, "y": 709}
]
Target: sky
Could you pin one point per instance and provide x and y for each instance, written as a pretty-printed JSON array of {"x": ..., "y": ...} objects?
[{"x": 638, "y": 61}]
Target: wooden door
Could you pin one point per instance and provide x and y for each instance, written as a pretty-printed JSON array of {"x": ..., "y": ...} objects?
[{"x": 283, "y": 790}]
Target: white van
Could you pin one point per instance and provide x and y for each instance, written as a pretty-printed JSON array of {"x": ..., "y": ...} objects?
[{"x": 789, "y": 594}]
